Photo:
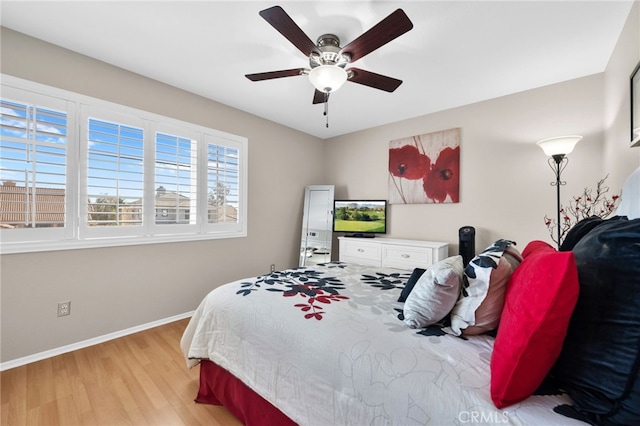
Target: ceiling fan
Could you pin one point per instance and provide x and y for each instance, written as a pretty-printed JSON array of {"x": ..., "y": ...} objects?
[{"x": 328, "y": 61}]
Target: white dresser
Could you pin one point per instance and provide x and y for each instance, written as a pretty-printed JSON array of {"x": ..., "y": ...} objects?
[{"x": 393, "y": 253}]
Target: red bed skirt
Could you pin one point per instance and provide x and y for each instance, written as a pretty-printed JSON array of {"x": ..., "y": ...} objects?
[{"x": 219, "y": 387}]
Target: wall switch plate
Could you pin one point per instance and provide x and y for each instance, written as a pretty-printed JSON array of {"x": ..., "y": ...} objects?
[
  {"x": 273, "y": 267},
  {"x": 64, "y": 308}
]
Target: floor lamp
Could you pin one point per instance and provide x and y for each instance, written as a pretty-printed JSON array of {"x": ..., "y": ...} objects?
[{"x": 557, "y": 150}]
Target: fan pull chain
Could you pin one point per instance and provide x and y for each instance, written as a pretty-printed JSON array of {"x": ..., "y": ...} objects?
[{"x": 326, "y": 108}]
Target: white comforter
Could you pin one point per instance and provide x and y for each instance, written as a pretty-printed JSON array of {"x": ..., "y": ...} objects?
[{"x": 325, "y": 345}]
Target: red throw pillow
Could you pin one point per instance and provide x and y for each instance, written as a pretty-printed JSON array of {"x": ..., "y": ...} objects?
[{"x": 540, "y": 298}]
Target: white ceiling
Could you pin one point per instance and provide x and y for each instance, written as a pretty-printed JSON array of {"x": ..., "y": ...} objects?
[{"x": 459, "y": 52}]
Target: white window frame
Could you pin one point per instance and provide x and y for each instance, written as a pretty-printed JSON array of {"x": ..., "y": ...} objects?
[
  {"x": 218, "y": 139},
  {"x": 87, "y": 232},
  {"x": 76, "y": 234},
  {"x": 150, "y": 210},
  {"x": 49, "y": 101}
]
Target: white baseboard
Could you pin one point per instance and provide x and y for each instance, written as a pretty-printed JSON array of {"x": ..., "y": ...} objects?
[{"x": 89, "y": 342}]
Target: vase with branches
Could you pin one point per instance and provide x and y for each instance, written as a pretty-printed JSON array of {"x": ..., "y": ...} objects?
[{"x": 589, "y": 203}]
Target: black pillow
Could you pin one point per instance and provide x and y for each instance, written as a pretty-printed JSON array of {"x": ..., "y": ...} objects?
[
  {"x": 581, "y": 229},
  {"x": 599, "y": 365},
  {"x": 413, "y": 279}
]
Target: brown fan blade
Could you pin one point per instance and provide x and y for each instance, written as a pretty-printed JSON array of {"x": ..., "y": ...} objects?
[
  {"x": 320, "y": 97},
  {"x": 281, "y": 21},
  {"x": 371, "y": 79},
  {"x": 383, "y": 32},
  {"x": 275, "y": 74}
]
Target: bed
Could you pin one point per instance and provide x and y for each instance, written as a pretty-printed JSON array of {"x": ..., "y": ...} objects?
[
  {"x": 332, "y": 344},
  {"x": 325, "y": 345}
]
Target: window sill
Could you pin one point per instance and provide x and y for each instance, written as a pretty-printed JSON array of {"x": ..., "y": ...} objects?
[{"x": 42, "y": 246}]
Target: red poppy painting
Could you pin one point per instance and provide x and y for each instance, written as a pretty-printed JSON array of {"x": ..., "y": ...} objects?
[{"x": 425, "y": 169}]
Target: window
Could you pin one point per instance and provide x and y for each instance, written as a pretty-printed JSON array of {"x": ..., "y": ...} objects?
[
  {"x": 34, "y": 171},
  {"x": 176, "y": 179},
  {"x": 222, "y": 183},
  {"x": 115, "y": 174},
  {"x": 134, "y": 178},
  {"x": 33, "y": 165}
]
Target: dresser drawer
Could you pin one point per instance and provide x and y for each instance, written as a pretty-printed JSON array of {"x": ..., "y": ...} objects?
[
  {"x": 360, "y": 252},
  {"x": 406, "y": 257}
]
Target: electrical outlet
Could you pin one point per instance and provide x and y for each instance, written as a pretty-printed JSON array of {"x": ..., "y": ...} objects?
[
  {"x": 64, "y": 308},
  {"x": 273, "y": 267}
]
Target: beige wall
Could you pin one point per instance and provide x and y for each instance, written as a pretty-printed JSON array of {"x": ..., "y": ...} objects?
[
  {"x": 112, "y": 289},
  {"x": 619, "y": 159},
  {"x": 505, "y": 190},
  {"x": 504, "y": 183}
]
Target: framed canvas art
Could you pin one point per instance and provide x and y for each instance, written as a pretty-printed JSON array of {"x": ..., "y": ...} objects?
[
  {"x": 425, "y": 169},
  {"x": 635, "y": 106}
]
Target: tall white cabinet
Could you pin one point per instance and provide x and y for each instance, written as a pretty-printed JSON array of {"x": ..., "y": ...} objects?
[{"x": 391, "y": 252}]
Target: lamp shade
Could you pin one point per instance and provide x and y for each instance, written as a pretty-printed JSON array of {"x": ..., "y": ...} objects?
[
  {"x": 561, "y": 145},
  {"x": 327, "y": 78}
]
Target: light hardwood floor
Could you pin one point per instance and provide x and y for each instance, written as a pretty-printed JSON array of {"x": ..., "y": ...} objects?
[{"x": 140, "y": 379}]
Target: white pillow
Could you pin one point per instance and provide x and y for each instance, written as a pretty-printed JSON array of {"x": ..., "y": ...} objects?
[{"x": 435, "y": 293}]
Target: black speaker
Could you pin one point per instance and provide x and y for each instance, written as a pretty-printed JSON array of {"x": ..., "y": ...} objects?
[{"x": 467, "y": 237}]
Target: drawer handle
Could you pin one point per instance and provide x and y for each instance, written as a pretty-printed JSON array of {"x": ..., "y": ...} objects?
[
  {"x": 406, "y": 256},
  {"x": 360, "y": 250}
]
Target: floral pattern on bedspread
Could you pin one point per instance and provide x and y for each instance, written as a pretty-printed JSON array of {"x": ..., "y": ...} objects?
[
  {"x": 315, "y": 288},
  {"x": 310, "y": 285}
]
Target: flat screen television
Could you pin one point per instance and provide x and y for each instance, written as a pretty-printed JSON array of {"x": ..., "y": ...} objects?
[{"x": 360, "y": 218}]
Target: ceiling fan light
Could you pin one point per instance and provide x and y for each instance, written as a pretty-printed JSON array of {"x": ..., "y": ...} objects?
[{"x": 327, "y": 78}]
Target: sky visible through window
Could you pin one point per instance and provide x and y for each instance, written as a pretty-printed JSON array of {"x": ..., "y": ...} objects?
[
  {"x": 115, "y": 160},
  {"x": 33, "y": 143}
]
